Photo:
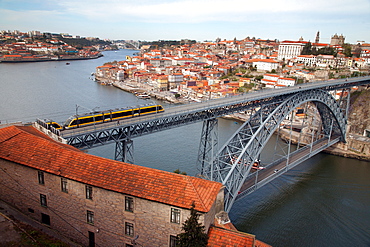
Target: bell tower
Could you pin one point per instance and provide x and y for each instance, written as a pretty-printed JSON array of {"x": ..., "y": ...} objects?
[{"x": 317, "y": 37}]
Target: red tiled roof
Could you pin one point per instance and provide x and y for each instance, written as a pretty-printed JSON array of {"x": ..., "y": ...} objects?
[
  {"x": 28, "y": 147},
  {"x": 222, "y": 237}
]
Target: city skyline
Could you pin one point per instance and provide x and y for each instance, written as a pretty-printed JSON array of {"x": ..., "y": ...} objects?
[{"x": 188, "y": 19}]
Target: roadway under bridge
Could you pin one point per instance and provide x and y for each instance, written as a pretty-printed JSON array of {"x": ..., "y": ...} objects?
[{"x": 234, "y": 164}]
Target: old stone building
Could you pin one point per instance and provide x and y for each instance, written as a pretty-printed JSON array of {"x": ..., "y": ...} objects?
[
  {"x": 337, "y": 40},
  {"x": 100, "y": 202}
]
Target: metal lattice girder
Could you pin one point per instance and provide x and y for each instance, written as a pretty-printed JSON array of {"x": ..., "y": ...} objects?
[
  {"x": 208, "y": 145},
  {"x": 125, "y": 151},
  {"x": 100, "y": 135},
  {"x": 105, "y": 136},
  {"x": 234, "y": 160}
]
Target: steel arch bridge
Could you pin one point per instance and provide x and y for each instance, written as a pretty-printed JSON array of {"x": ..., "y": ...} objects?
[{"x": 233, "y": 163}]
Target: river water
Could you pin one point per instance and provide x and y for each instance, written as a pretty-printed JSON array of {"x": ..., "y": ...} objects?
[{"x": 325, "y": 201}]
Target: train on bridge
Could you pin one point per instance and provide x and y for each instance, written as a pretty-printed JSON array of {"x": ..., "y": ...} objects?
[{"x": 77, "y": 121}]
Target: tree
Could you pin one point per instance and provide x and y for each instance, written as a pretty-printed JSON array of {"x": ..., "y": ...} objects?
[
  {"x": 347, "y": 50},
  {"x": 180, "y": 172},
  {"x": 307, "y": 49},
  {"x": 194, "y": 232}
]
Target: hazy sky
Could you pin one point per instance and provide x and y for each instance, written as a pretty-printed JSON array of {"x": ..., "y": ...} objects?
[{"x": 191, "y": 19}]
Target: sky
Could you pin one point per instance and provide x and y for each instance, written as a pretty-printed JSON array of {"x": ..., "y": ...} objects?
[{"x": 200, "y": 20}]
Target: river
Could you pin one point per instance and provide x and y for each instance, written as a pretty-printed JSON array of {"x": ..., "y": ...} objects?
[{"x": 322, "y": 202}]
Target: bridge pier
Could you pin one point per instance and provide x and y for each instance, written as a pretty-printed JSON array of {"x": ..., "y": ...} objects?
[
  {"x": 208, "y": 146},
  {"x": 124, "y": 151}
]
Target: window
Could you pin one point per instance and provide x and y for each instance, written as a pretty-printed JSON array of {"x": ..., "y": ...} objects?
[
  {"x": 90, "y": 217},
  {"x": 173, "y": 241},
  {"x": 129, "y": 229},
  {"x": 41, "y": 177},
  {"x": 129, "y": 204},
  {"x": 43, "y": 200},
  {"x": 175, "y": 215},
  {"x": 45, "y": 219},
  {"x": 91, "y": 239},
  {"x": 89, "y": 192},
  {"x": 64, "y": 185}
]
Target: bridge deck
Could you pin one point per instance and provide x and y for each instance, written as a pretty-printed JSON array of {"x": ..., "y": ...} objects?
[
  {"x": 218, "y": 103},
  {"x": 261, "y": 177}
]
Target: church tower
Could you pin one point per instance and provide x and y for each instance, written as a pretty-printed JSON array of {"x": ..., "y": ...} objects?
[
  {"x": 317, "y": 40},
  {"x": 341, "y": 40},
  {"x": 334, "y": 40}
]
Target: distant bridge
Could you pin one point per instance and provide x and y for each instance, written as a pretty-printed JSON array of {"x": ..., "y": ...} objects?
[
  {"x": 128, "y": 44},
  {"x": 232, "y": 165}
]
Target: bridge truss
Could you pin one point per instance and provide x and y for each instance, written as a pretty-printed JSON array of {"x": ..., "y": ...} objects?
[{"x": 232, "y": 164}]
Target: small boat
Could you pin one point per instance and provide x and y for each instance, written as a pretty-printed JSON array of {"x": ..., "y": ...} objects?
[
  {"x": 67, "y": 63},
  {"x": 143, "y": 96}
]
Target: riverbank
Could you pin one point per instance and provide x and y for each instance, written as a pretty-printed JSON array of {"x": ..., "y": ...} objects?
[{"x": 47, "y": 59}]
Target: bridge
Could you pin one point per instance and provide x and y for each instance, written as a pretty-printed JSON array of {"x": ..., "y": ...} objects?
[{"x": 237, "y": 164}]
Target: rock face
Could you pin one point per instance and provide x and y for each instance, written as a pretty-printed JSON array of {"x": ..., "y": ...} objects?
[
  {"x": 359, "y": 112},
  {"x": 357, "y": 145}
]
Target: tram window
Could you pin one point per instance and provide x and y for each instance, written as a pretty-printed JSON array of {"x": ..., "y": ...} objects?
[
  {"x": 85, "y": 120},
  {"x": 54, "y": 125},
  {"x": 107, "y": 116},
  {"x": 121, "y": 114},
  {"x": 73, "y": 122},
  {"x": 116, "y": 115},
  {"x": 98, "y": 118},
  {"x": 148, "y": 109},
  {"x": 143, "y": 110}
]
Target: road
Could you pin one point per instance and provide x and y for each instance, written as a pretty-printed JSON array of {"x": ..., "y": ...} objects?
[{"x": 273, "y": 170}]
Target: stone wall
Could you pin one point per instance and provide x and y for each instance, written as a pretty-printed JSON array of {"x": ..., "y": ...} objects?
[{"x": 68, "y": 211}]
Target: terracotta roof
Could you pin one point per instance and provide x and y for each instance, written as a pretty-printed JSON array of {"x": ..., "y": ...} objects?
[
  {"x": 26, "y": 146},
  {"x": 223, "y": 237}
]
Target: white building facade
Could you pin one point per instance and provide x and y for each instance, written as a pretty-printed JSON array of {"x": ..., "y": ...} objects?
[{"x": 290, "y": 49}]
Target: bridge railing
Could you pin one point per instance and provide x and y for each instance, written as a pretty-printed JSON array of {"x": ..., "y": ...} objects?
[{"x": 278, "y": 172}]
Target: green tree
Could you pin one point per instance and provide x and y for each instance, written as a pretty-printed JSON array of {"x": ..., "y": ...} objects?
[
  {"x": 194, "y": 232},
  {"x": 307, "y": 49},
  {"x": 180, "y": 172},
  {"x": 258, "y": 78},
  {"x": 347, "y": 50}
]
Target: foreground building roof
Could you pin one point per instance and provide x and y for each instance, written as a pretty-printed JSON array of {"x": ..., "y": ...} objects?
[
  {"x": 27, "y": 146},
  {"x": 223, "y": 237}
]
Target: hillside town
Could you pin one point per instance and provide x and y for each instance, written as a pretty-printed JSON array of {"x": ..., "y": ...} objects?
[
  {"x": 87, "y": 200},
  {"x": 207, "y": 70},
  {"x": 34, "y": 46}
]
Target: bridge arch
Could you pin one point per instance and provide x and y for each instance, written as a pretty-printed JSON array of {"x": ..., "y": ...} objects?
[{"x": 234, "y": 161}]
